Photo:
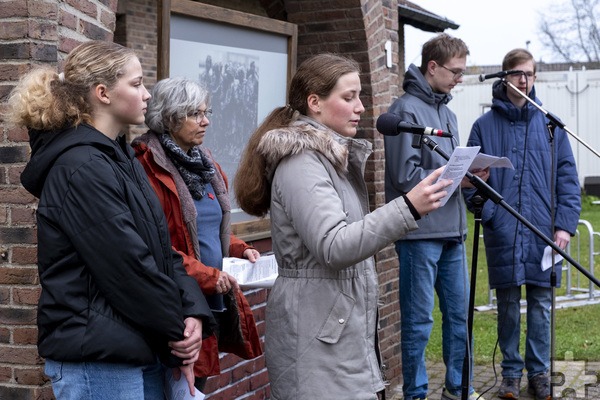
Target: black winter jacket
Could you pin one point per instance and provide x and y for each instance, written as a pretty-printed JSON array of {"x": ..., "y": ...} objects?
[{"x": 112, "y": 288}]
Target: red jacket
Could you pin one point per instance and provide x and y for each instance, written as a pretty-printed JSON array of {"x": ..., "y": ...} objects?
[{"x": 166, "y": 180}]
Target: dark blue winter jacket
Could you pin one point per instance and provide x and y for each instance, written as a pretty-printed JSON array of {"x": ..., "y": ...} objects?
[{"x": 514, "y": 252}]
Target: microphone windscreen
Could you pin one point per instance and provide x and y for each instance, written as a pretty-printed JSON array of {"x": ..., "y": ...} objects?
[
  {"x": 481, "y": 78},
  {"x": 387, "y": 124}
]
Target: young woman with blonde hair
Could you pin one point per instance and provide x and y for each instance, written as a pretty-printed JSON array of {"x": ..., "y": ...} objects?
[{"x": 116, "y": 303}]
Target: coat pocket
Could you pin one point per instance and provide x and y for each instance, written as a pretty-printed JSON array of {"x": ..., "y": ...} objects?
[{"x": 337, "y": 319}]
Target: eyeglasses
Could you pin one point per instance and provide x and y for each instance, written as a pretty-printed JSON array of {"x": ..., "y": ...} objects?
[
  {"x": 527, "y": 74},
  {"x": 199, "y": 115},
  {"x": 457, "y": 73}
]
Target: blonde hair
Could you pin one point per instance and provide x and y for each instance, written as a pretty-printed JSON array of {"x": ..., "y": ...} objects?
[
  {"x": 45, "y": 100},
  {"x": 317, "y": 75}
]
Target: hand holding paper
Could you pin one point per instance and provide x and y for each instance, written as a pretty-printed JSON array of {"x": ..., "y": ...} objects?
[
  {"x": 465, "y": 159},
  {"x": 260, "y": 274},
  {"x": 456, "y": 168}
]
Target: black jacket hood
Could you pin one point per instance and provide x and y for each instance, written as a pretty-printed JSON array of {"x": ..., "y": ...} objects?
[{"x": 47, "y": 146}]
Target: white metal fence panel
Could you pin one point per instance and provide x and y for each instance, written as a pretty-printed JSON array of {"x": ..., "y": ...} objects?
[{"x": 572, "y": 96}]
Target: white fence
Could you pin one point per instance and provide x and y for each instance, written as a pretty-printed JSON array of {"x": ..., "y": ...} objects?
[
  {"x": 572, "y": 96},
  {"x": 579, "y": 291}
]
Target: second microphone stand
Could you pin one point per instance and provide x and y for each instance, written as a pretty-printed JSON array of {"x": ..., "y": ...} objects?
[{"x": 487, "y": 192}]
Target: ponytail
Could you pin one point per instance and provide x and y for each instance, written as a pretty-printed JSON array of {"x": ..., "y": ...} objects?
[
  {"x": 252, "y": 188},
  {"x": 43, "y": 101}
]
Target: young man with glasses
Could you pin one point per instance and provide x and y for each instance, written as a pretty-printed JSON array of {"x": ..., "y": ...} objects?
[
  {"x": 516, "y": 129},
  {"x": 432, "y": 258}
]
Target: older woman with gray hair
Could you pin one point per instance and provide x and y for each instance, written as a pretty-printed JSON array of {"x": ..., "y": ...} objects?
[{"x": 193, "y": 191}]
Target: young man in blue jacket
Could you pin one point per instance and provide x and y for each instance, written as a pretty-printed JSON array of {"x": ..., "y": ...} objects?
[{"x": 516, "y": 129}]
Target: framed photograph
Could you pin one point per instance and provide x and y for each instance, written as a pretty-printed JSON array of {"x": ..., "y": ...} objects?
[{"x": 245, "y": 61}]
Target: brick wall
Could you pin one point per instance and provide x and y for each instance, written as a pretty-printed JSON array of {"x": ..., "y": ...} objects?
[{"x": 43, "y": 31}]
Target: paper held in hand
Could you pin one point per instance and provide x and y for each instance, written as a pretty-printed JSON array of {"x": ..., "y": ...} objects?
[
  {"x": 260, "y": 274},
  {"x": 179, "y": 390},
  {"x": 465, "y": 159}
]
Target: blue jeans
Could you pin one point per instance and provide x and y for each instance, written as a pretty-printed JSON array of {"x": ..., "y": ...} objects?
[
  {"x": 101, "y": 381},
  {"x": 537, "y": 341},
  {"x": 425, "y": 266}
]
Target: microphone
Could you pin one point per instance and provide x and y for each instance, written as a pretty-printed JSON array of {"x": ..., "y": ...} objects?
[
  {"x": 391, "y": 125},
  {"x": 500, "y": 74}
]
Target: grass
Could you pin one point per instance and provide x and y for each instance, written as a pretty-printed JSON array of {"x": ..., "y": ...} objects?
[{"x": 576, "y": 328}]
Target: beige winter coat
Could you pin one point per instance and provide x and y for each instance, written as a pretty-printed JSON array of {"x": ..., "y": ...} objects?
[{"x": 322, "y": 311}]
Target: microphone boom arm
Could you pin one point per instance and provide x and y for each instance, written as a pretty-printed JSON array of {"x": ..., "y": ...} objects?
[
  {"x": 488, "y": 192},
  {"x": 553, "y": 119}
]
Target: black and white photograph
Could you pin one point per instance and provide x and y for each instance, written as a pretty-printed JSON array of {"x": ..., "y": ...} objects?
[{"x": 245, "y": 72}]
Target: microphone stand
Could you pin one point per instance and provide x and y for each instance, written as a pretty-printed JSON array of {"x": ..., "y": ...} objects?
[
  {"x": 478, "y": 201},
  {"x": 488, "y": 192},
  {"x": 553, "y": 280},
  {"x": 552, "y": 118}
]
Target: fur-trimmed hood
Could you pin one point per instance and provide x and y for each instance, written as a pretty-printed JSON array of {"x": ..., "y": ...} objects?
[{"x": 306, "y": 134}]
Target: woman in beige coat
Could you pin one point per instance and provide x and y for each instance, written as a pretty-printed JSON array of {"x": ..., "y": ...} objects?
[{"x": 305, "y": 167}]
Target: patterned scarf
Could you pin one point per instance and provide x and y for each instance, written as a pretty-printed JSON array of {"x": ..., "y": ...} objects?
[{"x": 195, "y": 168}]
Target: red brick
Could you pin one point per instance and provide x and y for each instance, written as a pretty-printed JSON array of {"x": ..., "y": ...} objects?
[
  {"x": 14, "y": 235},
  {"x": 4, "y": 335},
  {"x": 4, "y": 295},
  {"x": 22, "y": 216},
  {"x": 214, "y": 383},
  {"x": 67, "y": 19},
  {"x": 46, "y": 30},
  {"x": 241, "y": 371},
  {"x": 259, "y": 380},
  {"x": 17, "y": 51},
  {"x": 17, "y": 316},
  {"x": 17, "y": 134},
  {"x": 30, "y": 376},
  {"x": 13, "y": 9},
  {"x": 66, "y": 44},
  {"x": 256, "y": 297},
  {"x": 24, "y": 255},
  {"x": 20, "y": 355},
  {"x": 42, "y": 393},
  {"x": 16, "y": 195},
  {"x": 26, "y": 296},
  {"x": 85, "y": 6},
  {"x": 13, "y": 29},
  {"x": 14, "y": 174},
  {"x": 25, "y": 336},
  {"x": 108, "y": 19},
  {"x": 228, "y": 361},
  {"x": 18, "y": 276},
  {"x": 21, "y": 393},
  {"x": 42, "y": 9},
  {"x": 4, "y": 210},
  {"x": 44, "y": 52},
  {"x": 5, "y": 374}
]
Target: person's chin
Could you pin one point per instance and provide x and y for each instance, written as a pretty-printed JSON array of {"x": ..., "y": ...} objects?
[
  {"x": 349, "y": 133},
  {"x": 138, "y": 121}
]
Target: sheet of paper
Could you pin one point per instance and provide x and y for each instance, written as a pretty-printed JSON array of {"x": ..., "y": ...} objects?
[
  {"x": 483, "y": 161},
  {"x": 179, "y": 390},
  {"x": 547, "y": 258},
  {"x": 457, "y": 167},
  {"x": 261, "y": 274}
]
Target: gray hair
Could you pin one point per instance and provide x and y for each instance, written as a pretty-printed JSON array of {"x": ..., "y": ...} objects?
[{"x": 173, "y": 99}]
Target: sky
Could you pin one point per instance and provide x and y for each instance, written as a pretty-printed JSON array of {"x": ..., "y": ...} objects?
[{"x": 490, "y": 29}]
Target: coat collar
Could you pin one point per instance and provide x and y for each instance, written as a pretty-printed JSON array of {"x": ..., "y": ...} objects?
[{"x": 306, "y": 134}]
